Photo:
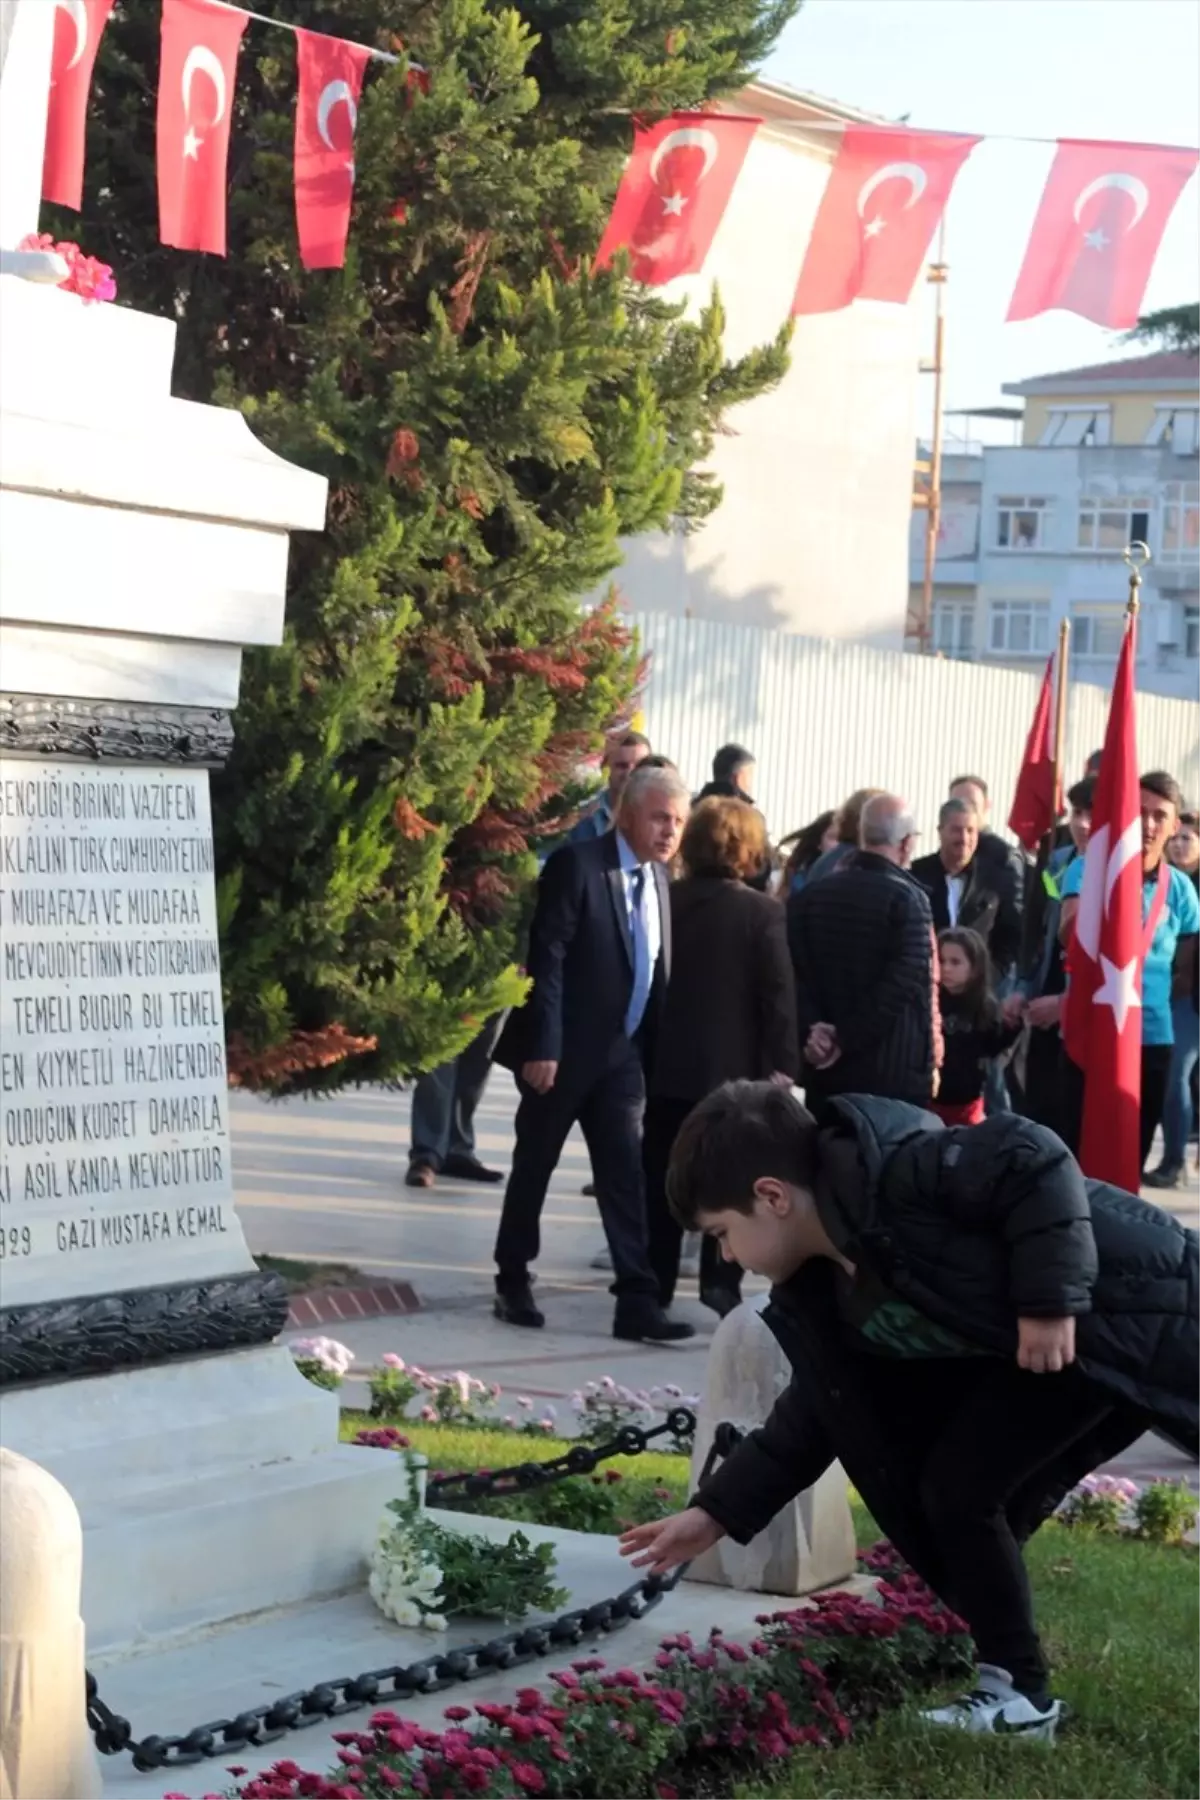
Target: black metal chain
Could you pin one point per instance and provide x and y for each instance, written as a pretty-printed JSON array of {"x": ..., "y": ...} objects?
[{"x": 330, "y": 1699}]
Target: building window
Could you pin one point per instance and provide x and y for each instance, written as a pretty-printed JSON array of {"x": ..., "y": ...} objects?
[
  {"x": 1022, "y": 524},
  {"x": 1068, "y": 426},
  {"x": 1181, "y": 519},
  {"x": 1097, "y": 631},
  {"x": 1019, "y": 627},
  {"x": 1191, "y": 632},
  {"x": 953, "y": 629},
  {"x": 1113, "y": 524},
  {"x": 1178, "y": 426}
]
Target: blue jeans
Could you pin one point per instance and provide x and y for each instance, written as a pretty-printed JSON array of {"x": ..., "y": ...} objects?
[
  {"x": 444, "y": 1102},
  {"x": 1177, "y": 1114}
]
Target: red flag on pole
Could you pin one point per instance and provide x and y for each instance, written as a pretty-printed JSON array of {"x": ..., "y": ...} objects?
[
  {"x": 1097, "y": 230},
  {"x": 878, "y": 215},
  {"x": 331, "y": 78},
  {"x": 195, "y": 99},
  {"x": 674, "y": 192},
  {"x": 1033, "y": 807},
  {"x": 77, "y": 28},
  {"x": 1102, "y": 1014}
]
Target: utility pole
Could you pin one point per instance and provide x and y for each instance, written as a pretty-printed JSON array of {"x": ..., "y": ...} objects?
[{"x": 920, "y": 621}]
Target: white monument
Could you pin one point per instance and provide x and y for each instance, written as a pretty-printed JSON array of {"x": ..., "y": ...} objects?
[
  {"x": 810, "y": 1544},
  {"x": 143, "y": 543}
]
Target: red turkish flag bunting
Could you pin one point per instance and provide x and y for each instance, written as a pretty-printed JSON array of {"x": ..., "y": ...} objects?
[
  {"x": 1035, "y": 805},
  {"x": 1098, "y": 227},
  {"x": 877, "y": 216},
  {"x": 331, "y": 78},
  {"x": 674, "y": 192},
  {"x": 1102, "y": 1014},
  {"x": 77, "y": 28},
  {"x": 196, "y": 79}
]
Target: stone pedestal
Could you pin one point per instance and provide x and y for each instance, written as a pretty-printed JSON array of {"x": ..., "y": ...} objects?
[
  {"x": 810, "y": 1544},
  {"x": 143, "y": 543}
]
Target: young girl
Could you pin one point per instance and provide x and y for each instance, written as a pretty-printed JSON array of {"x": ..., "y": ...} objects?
[{"x": 972, "y": 1027}]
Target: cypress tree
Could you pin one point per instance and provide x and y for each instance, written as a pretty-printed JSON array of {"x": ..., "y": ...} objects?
[{"x": 493, "y": 417}]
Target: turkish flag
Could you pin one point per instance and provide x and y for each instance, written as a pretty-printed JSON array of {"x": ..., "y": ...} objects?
[
  {"x": 196, "y": 79},
  {"x": 77, "y": 28},
  {"x": 1102, "y": 1013},
  {"x": 877, "y": 216},
  {"x": 1035, "y": 804},
  {"x": 674, "y": 192},
  {"x": 1098, "y": 227},
  {"x": 331, "y": 78}
]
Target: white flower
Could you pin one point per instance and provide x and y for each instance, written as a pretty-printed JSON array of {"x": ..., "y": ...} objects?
[
  {"x": 434, "y": 1622},
  {"x": 405, "y": 1613}
]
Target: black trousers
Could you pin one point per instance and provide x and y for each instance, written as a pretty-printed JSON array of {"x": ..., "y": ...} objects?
[
  {"x": 664, "y": 1121},
  {"x": 993, "y": 1450},
  {"x": 1042, "y": 1098},
  {"x": 1156, "y": 1068},
  {"x": 608, "y": 1104}
]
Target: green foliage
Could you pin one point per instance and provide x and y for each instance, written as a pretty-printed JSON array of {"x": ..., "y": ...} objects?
[
  {"x": 486, "y": 1580},
  {"x": 492, "y": 417},
  {"x": 1170, "y": 328},
  {"x": 1165, "y": 1512}
]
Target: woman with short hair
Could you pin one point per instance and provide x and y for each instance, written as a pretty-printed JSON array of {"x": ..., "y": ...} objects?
[{"x": 730, "y": 1012}]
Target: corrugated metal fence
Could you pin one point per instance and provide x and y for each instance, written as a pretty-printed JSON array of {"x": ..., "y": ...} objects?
[{"x": 824, "y": 717}]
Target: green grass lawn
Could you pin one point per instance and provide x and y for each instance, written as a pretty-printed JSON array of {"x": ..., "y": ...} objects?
[{"x": 452, "y": 1450}]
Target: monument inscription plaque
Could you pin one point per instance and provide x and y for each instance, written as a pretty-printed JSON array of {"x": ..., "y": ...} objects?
[{"x": 114, "y": 1133}]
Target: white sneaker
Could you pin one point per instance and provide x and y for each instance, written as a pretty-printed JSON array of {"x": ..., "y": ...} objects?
[{"x": 995, "y": 1707}]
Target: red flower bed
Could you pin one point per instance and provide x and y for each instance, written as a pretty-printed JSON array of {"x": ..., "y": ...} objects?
[{"x": 703, "y": 1718}]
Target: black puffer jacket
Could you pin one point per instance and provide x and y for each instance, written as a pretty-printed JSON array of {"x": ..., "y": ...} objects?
[{"x": 976, "y": 1227}]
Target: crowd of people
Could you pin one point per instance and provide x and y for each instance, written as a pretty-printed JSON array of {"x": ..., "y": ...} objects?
[{"x": 673, "y": 949}]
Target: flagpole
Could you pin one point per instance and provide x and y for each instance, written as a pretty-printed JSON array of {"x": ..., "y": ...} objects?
[
  {"x": 1060, "y": 714},
  {"x": 1137, "y": 555},
  {"x": 933, "y": 514}
]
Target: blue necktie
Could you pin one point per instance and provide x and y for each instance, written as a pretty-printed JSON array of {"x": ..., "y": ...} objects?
[{"x": 641, "y": 953}]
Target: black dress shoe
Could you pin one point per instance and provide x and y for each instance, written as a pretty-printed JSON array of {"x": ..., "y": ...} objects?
[
  {"x": 517, "y": 1308},
  {"x": 651, "y": 1325},
  {"x": 469, "y": 1168},
  {"x": 720, "y": 1300}
]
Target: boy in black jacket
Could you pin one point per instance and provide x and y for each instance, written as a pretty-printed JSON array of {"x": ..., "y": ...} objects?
[{"x": 972, "y": 1328}]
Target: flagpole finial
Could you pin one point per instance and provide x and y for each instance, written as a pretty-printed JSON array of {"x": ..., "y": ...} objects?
[{"x": 1136, "y": 556}]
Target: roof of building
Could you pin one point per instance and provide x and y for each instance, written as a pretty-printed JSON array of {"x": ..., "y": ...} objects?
[
  {"x": 802, "y": 106},
  {"x": 1161, "y": 369}
]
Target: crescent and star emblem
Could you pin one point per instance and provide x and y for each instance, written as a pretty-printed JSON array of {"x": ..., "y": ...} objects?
[
  {"x": 76, "y": 11},
  {"x": 693, "y": 136},
  {"x": 917, "y": 181},
  {"x": 336, "y": 93},
  {"x": 201, "y": 61},
  {"x": 1128, "y": 184}
]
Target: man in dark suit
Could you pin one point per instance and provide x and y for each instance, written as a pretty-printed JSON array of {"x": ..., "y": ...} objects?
[
  {"x": 600, "y": 956},
  {"x": 862, "y": 947},
  {"x": 964, "y": 891}
]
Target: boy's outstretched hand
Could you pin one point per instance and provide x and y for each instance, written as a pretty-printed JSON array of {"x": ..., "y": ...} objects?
[
  {"x": 665, "y": 1543},
  {"x": 1044, "y": 1346}
]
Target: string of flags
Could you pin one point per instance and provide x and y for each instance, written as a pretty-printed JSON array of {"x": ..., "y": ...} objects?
[{"x": 1093, "y": 241}]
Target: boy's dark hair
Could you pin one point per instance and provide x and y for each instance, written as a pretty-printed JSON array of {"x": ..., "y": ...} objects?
[
  {"x": 1082, "y": 796},
  {"x": 1165, "y": 786},
  {"x": 728, "y": 760},
  {"x": 741, "y": 1132},
  {"x": 630, "y": 740}
]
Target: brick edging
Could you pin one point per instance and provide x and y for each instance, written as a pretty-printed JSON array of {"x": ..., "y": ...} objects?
[{"x": 346, "y": 1305}]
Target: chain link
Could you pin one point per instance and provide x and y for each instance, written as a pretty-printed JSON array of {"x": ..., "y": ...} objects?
[{"x": 404, "y": 1681}]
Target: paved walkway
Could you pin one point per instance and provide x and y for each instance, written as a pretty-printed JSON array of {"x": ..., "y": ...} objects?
[{"x": 324, "y": 1180}]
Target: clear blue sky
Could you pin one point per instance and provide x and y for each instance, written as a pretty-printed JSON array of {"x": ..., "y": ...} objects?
[{"x": 1041, "y": 68}]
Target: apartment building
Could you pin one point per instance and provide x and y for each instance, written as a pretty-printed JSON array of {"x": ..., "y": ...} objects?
[{"x": 1035, "y": 532}]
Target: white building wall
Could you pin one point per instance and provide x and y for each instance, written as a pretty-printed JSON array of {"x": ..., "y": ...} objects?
[
  {"x": 812, "y": 535},
  {"x": 826, "y": 717}
]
